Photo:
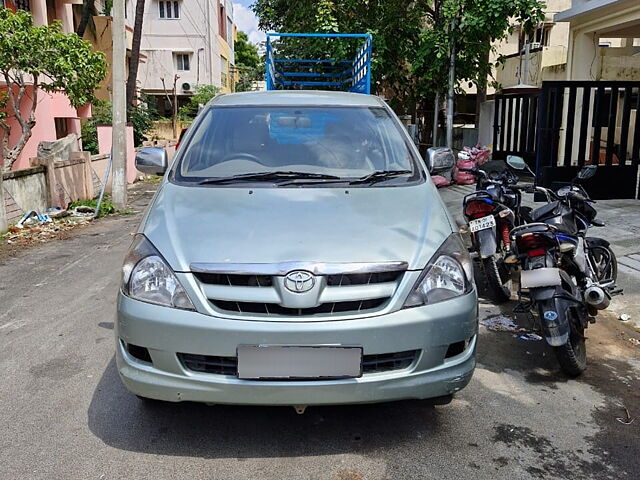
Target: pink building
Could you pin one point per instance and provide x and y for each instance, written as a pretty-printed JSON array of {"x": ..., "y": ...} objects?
[{"x": 55, "y": 117}]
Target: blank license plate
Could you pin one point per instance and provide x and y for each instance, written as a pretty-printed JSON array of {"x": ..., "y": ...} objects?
[
  {"x": 298, "y": 362},
  {"x": 482, "y": 223},
  {"x": 540, "y": 277}
]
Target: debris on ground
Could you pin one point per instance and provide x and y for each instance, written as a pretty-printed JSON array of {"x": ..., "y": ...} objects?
[
  {"x": 57, "y": 212},
  {"x": 32, "y": 218},
  {"x": 625, "y": 317},
  {"x": 34, "y": 232},
  {"x": 88, "y": 207},
  {"x": 83, "y": 211},
  {"x": 531, "y": 337},
  {"x": 635, "y": 341},
  {"x": 628, "y": 420},
  {"x": 500, "y": 323}
]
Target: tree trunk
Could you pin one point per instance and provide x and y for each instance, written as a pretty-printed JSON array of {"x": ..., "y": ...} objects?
[
  {"x": 135, "y": 52},
  {"x": 481, "y": 96},
  {"x": 3, "y": 213},
  {"x": 14, "y": 102},
  {"x": 87, "y": 8},
  {"x": 451, "y": 90}
]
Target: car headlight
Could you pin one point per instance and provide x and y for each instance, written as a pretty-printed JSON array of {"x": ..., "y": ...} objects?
[
  {"x": 448, "y": 274},
  {"x": 147, "y": 277}
]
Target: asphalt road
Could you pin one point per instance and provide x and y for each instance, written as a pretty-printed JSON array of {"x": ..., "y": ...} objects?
[{"x": 65, "y": 414}]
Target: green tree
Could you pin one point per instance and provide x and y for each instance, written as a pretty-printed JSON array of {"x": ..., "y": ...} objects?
[
  {"x": 34, "y": 58},
  {"x": 411, "y": 40},
  {"x": 141, "y": 116},
  {"x": 134, "y": 61},
  {"x": 86, "y": 17},
  {"x": 248, "y": 62},
  {"x": 203, "y": 94},
  {"x": 394, "y": 24},
  {"x": 471, "y": 28},
  {"x": 100, "y": 115}
]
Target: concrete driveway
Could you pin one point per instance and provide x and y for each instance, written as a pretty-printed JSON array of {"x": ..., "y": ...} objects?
[{"x": 65, "y": 414}]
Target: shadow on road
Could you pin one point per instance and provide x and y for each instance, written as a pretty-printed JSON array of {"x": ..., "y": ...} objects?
[{"x": 123, "y": 421}]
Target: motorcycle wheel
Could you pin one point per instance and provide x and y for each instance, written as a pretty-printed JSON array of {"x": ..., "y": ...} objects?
[
  {"x": 605, "y": 263},
  {"x": 572, "y": 356},
  {"x": 497, "y": 290}
]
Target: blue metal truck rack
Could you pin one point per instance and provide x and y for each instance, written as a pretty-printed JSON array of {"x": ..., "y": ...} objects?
[{"x": 326, "y": 74}]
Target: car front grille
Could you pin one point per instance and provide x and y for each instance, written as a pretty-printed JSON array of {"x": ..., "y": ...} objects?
[
  {"x": 235, "y": 280},
  {"x": 209, "y": 364},
  {"x": 378, "y": 363},
  {"x": 275, "y": 309},
  {"x": 260, "y": 289}
]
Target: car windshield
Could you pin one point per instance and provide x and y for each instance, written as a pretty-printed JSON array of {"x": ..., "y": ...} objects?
[{"x": 301, "y": 144}]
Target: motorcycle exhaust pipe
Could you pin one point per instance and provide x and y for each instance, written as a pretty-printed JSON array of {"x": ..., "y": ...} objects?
[{"x": 597, "y": 297}]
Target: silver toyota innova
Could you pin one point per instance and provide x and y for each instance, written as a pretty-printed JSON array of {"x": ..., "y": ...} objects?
[{"x": 296, "y": 253}]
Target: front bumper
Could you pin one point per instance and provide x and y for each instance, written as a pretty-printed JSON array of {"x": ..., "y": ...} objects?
[{"x": 165, "y": 332}]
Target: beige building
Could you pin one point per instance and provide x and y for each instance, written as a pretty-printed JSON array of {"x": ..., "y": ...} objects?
[
  {"x": 547, "y": 51},
  {"x": 604, "y": 40},
  {"x": 187, "y": 43},
  {"x": 579, "y": 40},
  {"x": 100, "y": 34}
]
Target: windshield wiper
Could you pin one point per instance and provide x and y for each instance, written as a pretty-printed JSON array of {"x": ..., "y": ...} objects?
[
  {"x": 379, "y": 175},
  {"x": 276, "y": 175}
]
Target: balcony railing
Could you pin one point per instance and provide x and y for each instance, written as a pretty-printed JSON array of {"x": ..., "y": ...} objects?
[{"x": 14, "y": 5}]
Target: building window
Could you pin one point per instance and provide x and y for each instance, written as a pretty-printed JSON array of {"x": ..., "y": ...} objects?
[
  {"x": 169, "y": 9},
  {"x": 230, "y": 32},
  {"x": 62, "y": 127},
  {"x": 182, "y": 62},
  {"x": 539, "y": 38},
  {"x": 222, "y": 24},
  {"x": 224, "y": 72}
]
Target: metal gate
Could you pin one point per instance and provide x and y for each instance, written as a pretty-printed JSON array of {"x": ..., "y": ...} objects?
[
  {"x": 590, "y": 123},
  {"x": 569, "y": 124},
  {"x": 514, "y": 125}
]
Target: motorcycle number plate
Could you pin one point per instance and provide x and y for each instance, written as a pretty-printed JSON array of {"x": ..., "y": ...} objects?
[
  {"x": 540, "y": 277},
  {"x": 482, "y": 223}
]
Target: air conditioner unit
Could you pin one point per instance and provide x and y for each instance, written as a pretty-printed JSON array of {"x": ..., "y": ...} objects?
[
  {"x": 187, "y": 87},
  {"x": 533, "y": 46}
]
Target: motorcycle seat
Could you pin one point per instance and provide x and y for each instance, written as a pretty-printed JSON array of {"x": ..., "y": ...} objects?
[{"x": 549, "y": 209}]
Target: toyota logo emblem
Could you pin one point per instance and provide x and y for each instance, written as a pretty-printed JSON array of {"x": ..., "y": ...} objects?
[{"x": 299, "y": 281}]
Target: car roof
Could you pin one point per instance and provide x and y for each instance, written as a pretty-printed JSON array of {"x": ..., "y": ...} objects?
[{"x": 297, "y": 97}]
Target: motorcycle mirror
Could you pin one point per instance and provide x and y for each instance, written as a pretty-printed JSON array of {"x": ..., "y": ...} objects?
[
  {"x": 516, "y": 162},
  {"x": 587, "y": 172}
]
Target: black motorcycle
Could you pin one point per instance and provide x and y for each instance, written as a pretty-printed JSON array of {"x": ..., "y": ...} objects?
[
  {"x": 566, "y": 275},
  {"x": 491, "y": 212}
]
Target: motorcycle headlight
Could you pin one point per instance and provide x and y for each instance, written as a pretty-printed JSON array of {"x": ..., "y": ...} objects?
[
  {"x": 448, "y": 274},
  {"x": 148, "y": 278}
]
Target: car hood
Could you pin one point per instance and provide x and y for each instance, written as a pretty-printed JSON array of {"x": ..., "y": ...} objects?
[{"x": 273, "y": 225}]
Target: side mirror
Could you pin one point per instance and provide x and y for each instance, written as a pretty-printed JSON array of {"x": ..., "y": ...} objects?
[
  {"x": 516, "y": 162},
  {"x": 587, "y": 172},
  {"x": 152, "y": 160},
  {"x": 439, "y": 159}
]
